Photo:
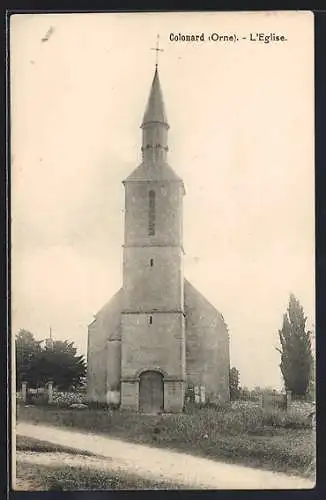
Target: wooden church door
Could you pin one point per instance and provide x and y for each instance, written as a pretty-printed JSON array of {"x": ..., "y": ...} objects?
[{"x": 151, "y": 388}]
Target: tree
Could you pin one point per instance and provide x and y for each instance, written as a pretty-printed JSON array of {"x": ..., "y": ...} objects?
[
  {"x": 296, "y": 357},
  {"x": 59, "y": 363},
  {"x": 27, "y": 348},
  {"x": 312, "y": 384},
  {"x": 234, "y": 380}
]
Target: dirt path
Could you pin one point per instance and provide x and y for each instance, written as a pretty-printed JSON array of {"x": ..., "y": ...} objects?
[{"x": 158, "y": 464}]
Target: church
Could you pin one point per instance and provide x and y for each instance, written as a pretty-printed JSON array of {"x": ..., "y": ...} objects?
[{"x": 158, "y": 341}]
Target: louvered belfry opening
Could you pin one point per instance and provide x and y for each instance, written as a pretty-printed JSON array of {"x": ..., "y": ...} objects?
[{"x": 151, "y": 213}]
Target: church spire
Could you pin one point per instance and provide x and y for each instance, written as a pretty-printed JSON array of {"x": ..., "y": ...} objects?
[
  {"x": 155, "y": 110},
  {"x": 155, "y": 125},
  {"x": 154, "y": 166}
]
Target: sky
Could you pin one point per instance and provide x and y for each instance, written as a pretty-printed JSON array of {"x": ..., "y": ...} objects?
[{"x": 241, "y": 136}]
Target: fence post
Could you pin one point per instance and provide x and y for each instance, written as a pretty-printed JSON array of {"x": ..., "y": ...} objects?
[
  {"x": 202, "y": 394},
  {"x": 288, "y": 399},
  {"x": 50, "y": 391},
  {"x": 24, "y": 391},
  {"x": 197, "y": 394}
]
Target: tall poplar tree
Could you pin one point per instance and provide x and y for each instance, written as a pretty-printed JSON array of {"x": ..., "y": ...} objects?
[{"x": 296, "y": 356}]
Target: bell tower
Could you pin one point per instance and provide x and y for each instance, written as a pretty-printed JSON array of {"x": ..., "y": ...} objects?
[{"x": 152, "y": 319}]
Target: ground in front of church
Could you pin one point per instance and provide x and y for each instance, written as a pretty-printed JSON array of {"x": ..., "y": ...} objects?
[{"x": 47, "y": 461}]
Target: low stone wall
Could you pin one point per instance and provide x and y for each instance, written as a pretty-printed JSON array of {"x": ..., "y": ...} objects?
[
  {"x": 48, "y": 395},
  {"x": 305, "y": 408},
  {"x": 68, "y": 398},
  {"x": 245, "y": 404}
]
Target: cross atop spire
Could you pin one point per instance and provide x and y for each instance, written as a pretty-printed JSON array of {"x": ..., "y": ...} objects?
[{"x": 157, "y": 49}]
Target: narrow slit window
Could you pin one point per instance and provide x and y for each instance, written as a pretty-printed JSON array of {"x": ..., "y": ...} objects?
[
  {"x": 150, "y": 320},
  {"x": 152, "y": 262},
  {"x": 151, "y": 213}
]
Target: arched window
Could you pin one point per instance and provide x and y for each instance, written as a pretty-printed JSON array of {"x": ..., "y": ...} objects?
[{"x": 151, "y": 213}]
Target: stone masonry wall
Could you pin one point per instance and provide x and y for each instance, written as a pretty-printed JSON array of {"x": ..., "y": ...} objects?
[
  {"x": 153, "y": 279},
  {"x": 168, "y": 220},
  {"x": 146, "y": 346},
  {"x": 105, "y": 325},
  {"x": 207, "y": 346}
]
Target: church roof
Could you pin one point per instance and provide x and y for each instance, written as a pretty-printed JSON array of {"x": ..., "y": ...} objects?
[
  {"x": 158, "y": 171},
  {"x": 109, "y": 315},
  {"x": 155, "y": 110}
]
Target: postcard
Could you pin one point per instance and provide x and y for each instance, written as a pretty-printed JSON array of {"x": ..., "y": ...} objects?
[{"x": 163, "y": 250}]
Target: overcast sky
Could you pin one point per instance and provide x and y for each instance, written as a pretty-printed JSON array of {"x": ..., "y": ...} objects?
[{"x": 241, "y": 137}]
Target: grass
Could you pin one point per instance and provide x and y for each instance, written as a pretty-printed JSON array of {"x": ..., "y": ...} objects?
[
  {"x": 63, "y": 478},
  {"x": 276, "y": 441},
  {"x": 24, "y": 443}
]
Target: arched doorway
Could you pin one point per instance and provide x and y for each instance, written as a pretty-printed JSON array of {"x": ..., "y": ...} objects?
[{"x": 151, "y": 389}]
